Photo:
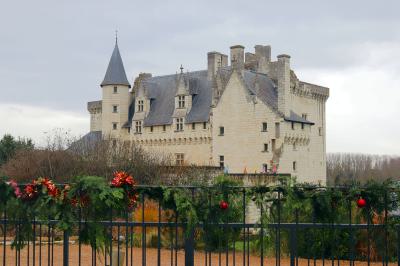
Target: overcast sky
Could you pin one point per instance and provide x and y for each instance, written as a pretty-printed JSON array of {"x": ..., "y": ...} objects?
[{"x": 53, "y": 56}]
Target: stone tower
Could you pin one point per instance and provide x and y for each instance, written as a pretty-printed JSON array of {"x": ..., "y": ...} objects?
[{"x": 116, "y": 96}]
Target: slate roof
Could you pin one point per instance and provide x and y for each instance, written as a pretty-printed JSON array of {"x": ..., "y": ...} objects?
[
  {"x": 267, "y": 92},
  {"x": 293, "y": 117},
  {"x": 130, "y": 115},
  {"x": 115, "y": 74},
  {"x": 162, "y": 89},
  {"x": 86, "y": 142}
]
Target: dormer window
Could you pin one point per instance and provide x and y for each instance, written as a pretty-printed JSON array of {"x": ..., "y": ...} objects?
[
  {"x": 181, "y": 101},
  {"x": 140, "y": 105}
]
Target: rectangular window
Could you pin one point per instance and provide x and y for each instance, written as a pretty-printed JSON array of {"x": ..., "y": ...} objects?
[
  {"x": 114, "y": 126},
  {"x": 292, "y": 125},
  {"x": 265, "y": 168},
  {"x": 115, "y": 108},
  {"x": 179, "y": 158},
  {"x": 181, "y": 101},
  {"x": 164, "y": 128},
  {"x": 294, "y": 166},
  {"x": 129, "y": 130},
  {"x": 193, "y": 126},
  {"x": 179, "y": 124},
  {"x": 304, "y": 116},
  {"x": 264, "y": 127},
  {"x": 204, "y": 125},
  {"x": 151, "y": 128},
  {"x": 265, "y": 147},
  {"x": 221, "y": 161},
  {"x": 221, "y": 131},
  {"x": 115, "y": 89},
  {"x": 138, "y": 127},
  {"x": 114, "y": 143},
  {"x": 320, "y": 131},
  {"x": 140, "y": 105},
  {"x": 302, "y": 126}
]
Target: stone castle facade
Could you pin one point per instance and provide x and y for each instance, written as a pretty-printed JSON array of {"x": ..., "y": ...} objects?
[{"x": 247, "y": 114}]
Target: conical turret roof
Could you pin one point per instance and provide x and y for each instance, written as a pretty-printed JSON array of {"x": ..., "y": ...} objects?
[{"x": 115, "y": 74}]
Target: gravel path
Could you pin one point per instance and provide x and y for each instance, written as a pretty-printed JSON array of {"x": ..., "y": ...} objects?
[{"x": 151, "y": 258}]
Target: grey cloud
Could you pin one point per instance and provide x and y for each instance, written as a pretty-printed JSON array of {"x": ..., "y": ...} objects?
[{"x": 55, "y": 53}]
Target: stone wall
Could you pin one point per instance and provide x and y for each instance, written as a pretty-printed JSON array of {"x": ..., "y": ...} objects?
[
  {"x": 195, "y": 144},
  {"x": 242, "y": 115}
]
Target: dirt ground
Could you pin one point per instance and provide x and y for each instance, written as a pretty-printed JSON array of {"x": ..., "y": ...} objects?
[{"x": 151, "y": 258}]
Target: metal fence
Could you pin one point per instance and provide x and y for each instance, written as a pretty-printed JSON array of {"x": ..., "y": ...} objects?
[{"x": 154, "y": 236}]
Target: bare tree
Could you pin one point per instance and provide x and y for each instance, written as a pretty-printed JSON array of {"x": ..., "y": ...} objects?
[
  {"x": 63, "y": 158},
  {"x": 349, "y": 167}
]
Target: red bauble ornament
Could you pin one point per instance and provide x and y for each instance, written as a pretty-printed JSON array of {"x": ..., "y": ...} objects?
[
  {"x": 223, "y": 205},
  {"x": 361, "y": 203}
]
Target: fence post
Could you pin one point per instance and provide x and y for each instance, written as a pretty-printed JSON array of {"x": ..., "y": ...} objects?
[
  {"x": 189, "y": 248},
  {"x": 292, "y": 246},
  {"x": 189, "y": 241},
  {"x": 66, "y": 248},
  {"x": 398, "y": 244}
]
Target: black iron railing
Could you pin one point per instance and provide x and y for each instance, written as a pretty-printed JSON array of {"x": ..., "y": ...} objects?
[{"x": 149, "y": 237}]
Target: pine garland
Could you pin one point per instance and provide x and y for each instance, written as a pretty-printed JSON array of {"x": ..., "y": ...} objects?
[{"x": 90, "y": 199}]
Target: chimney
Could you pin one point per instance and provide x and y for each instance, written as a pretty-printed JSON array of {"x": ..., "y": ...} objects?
[
  {"x": 250, "y": 61},
  {"x": 224, "y": 59},
  {"x": 215, "y": 60},
  {"x": 283, "y": 77},
  {"x": 263, "y": 58},
  {"x": 237, "y": 57},
  {"x": 250, "y": 57},
  {"x": 263, "y": 51},
  {"x": 139, "y": 79}
]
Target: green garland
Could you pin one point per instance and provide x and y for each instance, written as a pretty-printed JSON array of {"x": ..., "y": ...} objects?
[{"x": 90, "y": 199}]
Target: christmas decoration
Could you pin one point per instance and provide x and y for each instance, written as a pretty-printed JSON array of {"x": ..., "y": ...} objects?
[
  {"x": 17, "y": 190},
  {"x": 127, "y": 183},
  {"x": 361, "y": 203},
  {"x": 223, "y": 205}
]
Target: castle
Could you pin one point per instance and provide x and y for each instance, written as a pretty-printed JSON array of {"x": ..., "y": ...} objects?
[{"x": 250, "y": 114}]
